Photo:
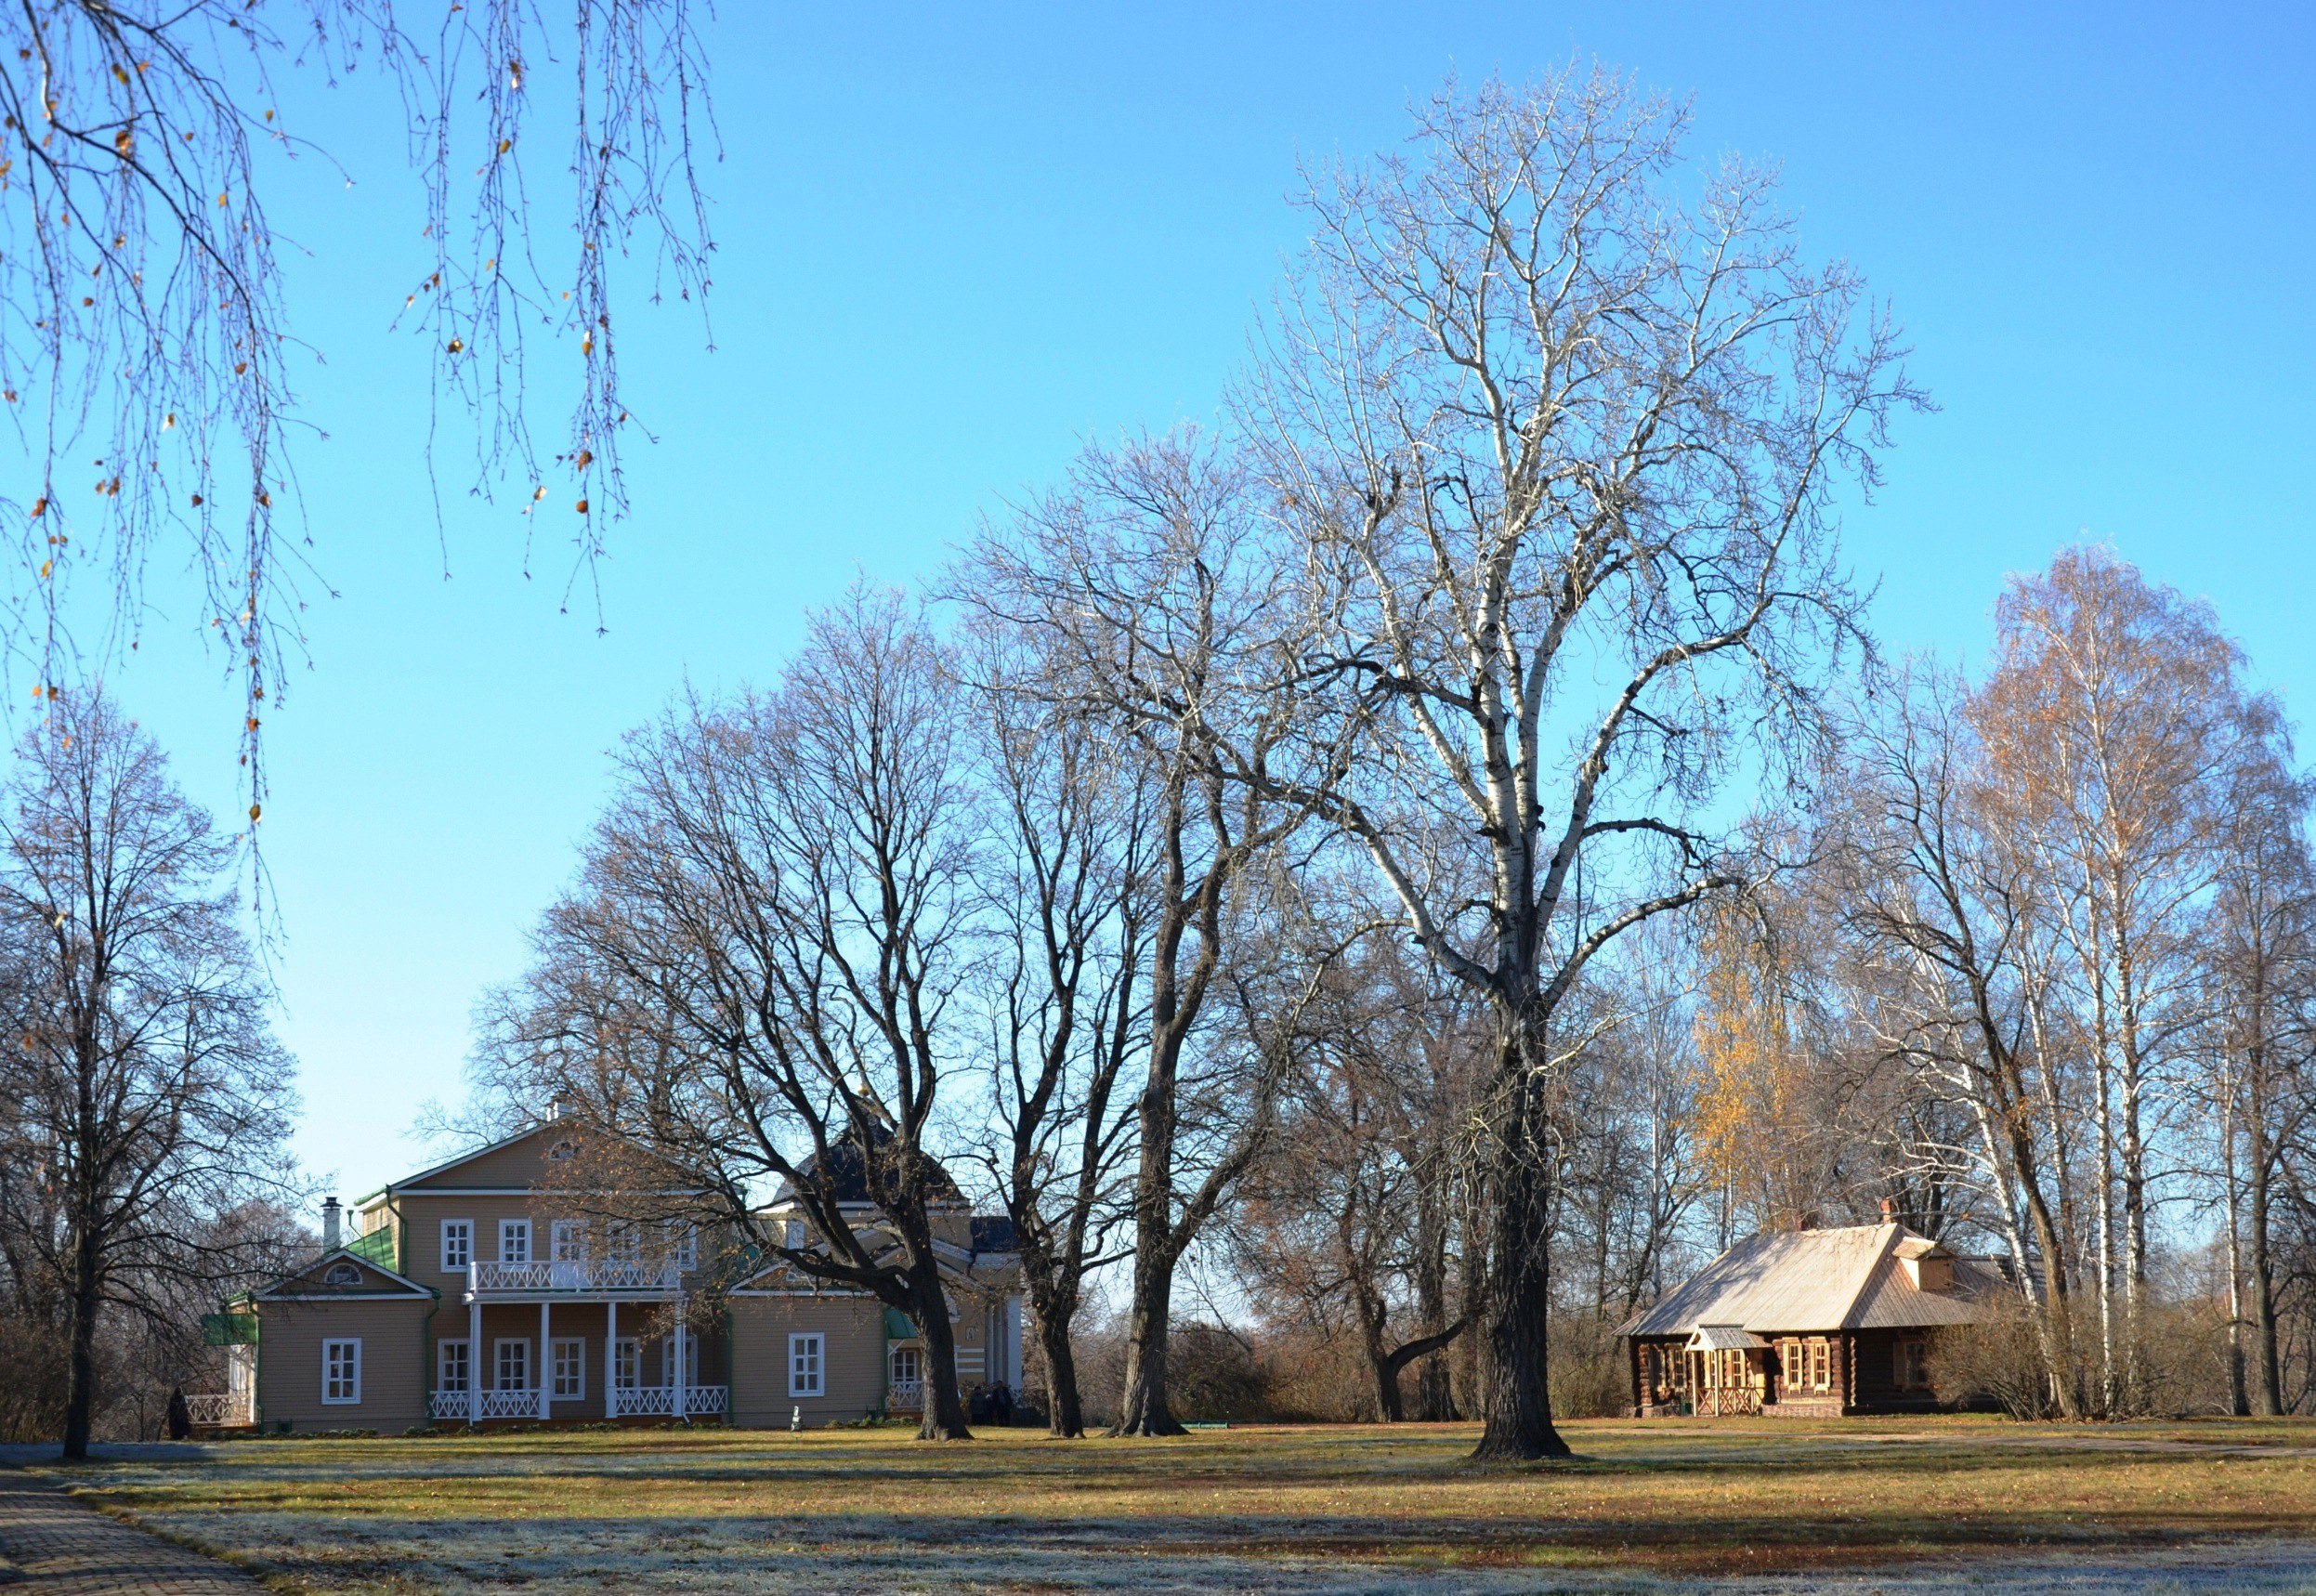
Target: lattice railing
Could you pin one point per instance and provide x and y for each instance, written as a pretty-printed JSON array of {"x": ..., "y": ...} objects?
[{"x": 220, "y": 1410}]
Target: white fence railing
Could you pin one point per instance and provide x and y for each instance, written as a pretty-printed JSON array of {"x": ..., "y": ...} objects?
[
  {"x": 625, "y": 1402},
  {"x": 658, "y": 1401},
  {"x": 495, "y": 1404},
  {"x": 907, "y": 1393},
  {"x": 584, "y": 1275},
  {"x": 220, "y": 1410}
]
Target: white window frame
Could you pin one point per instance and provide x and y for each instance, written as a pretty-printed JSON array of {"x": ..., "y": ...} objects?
[
  {"x": 499, "y": 1350},
  {"x": 622, "y": 1241},
  {"x": 567, "y": 1241},
  {"x": 626, "y": 1363},
  {"x": 514, "y": 1234},
  {"x": 462, "y": 1232},
  {"x": 351, "y": 1385},
  {"x": 892, "y": 1363},
  {"x": 575, "y": 1389},
  {"x": 454, "y": 1351},
  {"x": 807, "y": 1364},
  {"x": 683, "y": 1245}
]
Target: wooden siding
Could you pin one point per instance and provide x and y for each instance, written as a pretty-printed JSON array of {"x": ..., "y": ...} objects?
[
  {"x": 289, "y": 1364},
  {"x": 855, "y": 1349}
]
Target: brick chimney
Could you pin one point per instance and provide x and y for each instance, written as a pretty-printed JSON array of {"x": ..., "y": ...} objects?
[
  {"x": 1890, "y": 1211},
  {"x": 330, "y": 1225}
]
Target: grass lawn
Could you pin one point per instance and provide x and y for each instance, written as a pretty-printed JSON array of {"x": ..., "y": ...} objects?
[{"x": 1369, "y": 1508}]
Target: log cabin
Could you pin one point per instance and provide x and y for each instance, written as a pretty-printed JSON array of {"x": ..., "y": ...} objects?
[{"x": 1814, "y": 1324}]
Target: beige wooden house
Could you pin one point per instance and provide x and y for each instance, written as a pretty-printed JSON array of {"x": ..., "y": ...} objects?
[
  {"x": 1818, "y": 1323},
  {"x": 513, "y": 1285}
]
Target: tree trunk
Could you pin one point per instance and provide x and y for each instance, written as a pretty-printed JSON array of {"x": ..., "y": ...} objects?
[
  {"x": 2267, "y": 1375},
  {"x": 1435, "y": 1397},
  {"x": 80, "y": 1390},
  {"x": 1141, "y": 1410},
  {"x": 1064, "y": 1416},
  {"x": 1519, "y": 1409},
  {"x": 943, "y": 1405}
]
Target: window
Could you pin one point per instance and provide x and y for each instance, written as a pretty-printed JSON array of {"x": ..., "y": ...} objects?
[
  {"x": 689, "y": 1347},
  {"x": 514, "y": 1364},
  {"x": 808, "y": 1365},
  {"x": 514, "y": 1241},
  {"x": 569, "y": 1239},
  {"x": 453, "y": 1366},
  {"x": 626, "y": 1363},
  {"x": 1821, "y": 1366},
  {"x": 1912, "y": 1360},
  {"x": 569, "y": 1366},
  {"x": 908, "y": 1365},
  {"x": 342, "y": 1275},
  {"x": 683, "y": 1245},
  {"x": 341, "y": 1370},
  {"x": 563, "y": 1150},
  {"x": 622, "y": 1242},
  {"x": 458, "y": 1243},
  {"x": 793, "y": 1234}
]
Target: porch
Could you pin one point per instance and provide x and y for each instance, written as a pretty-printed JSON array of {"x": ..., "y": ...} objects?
[{"x": 569, "y": 1357}]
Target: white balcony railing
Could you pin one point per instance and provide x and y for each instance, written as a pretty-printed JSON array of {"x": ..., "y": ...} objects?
[
  {"x": 220, "y": 1410},
  {"x": 906, "y": 1394},
  {"x": 658, "y": 1401},
  {"x": 580, "y": 1275}
]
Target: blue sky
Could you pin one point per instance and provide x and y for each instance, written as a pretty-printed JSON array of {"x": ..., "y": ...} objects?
[{"x": 954, "y": 242}]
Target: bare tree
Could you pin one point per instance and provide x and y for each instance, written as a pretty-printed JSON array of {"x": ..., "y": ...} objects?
[
  {"x": 772, "y": 920},
  {"x": 144, "y": 1097},
  {"x": 142, "y": 314},
  {"x": 1546, "y": 424},
  {"x": 1148, "y": 587},
  {"x": 1067, "y": 896}
]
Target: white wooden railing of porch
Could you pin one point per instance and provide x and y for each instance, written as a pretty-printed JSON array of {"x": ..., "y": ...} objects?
[
  {"x": 579, "y": 1275},
  {"x": 221, "y": 1409}
]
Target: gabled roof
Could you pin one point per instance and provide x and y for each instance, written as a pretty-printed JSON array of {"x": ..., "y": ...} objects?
[
  {"x": 558, "y": 1127},
  {"x": 847, "y": 1179},
  {"x": 1818, "y": 1280},
  {"x": 312, "y": 1283}
]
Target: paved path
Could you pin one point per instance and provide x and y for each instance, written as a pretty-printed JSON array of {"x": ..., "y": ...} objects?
[{"x": 55, "y": 1547}]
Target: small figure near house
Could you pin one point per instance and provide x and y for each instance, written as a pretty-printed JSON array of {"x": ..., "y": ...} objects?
[
  {"x": 180, "y": 1416},
  {"x": 1810, "y": 1323}
]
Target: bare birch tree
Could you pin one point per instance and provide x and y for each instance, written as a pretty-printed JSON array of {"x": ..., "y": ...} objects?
[
  {"x": 143, "y": 318},
  {"x": 1567, "y": 442}
]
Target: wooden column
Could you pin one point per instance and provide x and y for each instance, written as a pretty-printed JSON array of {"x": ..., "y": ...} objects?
[
  {"x": 542, "y": 1376},
  {"x": 612, "y": 1358}
]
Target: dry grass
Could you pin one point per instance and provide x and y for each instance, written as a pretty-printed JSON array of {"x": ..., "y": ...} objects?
[{"x": 1370, "y": 1509}]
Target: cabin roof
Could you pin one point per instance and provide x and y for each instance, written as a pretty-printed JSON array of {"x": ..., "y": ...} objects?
[{"x": 1850, "y": 1277}]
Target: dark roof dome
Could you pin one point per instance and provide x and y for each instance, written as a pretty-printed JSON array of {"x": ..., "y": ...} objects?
[{"x": 847, "y": 1177}]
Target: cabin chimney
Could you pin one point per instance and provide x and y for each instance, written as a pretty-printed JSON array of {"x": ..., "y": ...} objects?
[
  {"x": 330, "y": 1225},
  {"x": 555, "y": 1108},
  {"x": 1889, "y": 1211}
]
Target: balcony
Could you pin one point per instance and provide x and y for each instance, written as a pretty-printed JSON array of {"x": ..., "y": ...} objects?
[
  {"x": 905, "y": 1396},
  {"x": 575, "y": 1277}
]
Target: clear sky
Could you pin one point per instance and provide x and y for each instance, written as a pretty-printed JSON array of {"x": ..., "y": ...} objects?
[{"x": 955, "y": 241}]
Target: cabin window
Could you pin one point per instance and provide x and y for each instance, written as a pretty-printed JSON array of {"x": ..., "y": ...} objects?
[
  {"x": 514, "y": 1241},
  {"x": 342, "y": 1275},
  {"x": 513, "y": 1360},
  {"x": 453, "y": 1366},
  {"x": 683, "y": 1245},
  {"x": 622, "y": 1242},
  {"x": 1911, "y": 1357},
  {"x": 458, "y": 1244},
  {"x": 626, "y": 1363},
  {"x": 807, "y": 1365},
  {"x": 1821, "y": 1366},
  {"x": 569, "y": 1367},
  {"x": 342, "y": 1370},
  {"x": 568, "y": 1238}
]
